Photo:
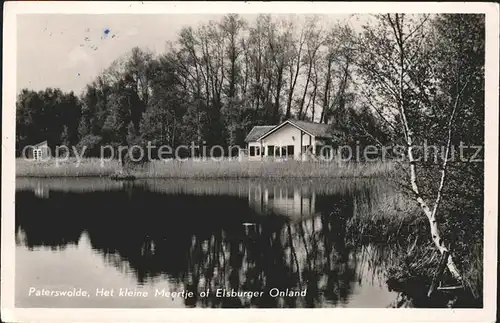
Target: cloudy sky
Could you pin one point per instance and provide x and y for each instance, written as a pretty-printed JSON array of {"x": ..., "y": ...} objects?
[{"x": 69, "y": 51}]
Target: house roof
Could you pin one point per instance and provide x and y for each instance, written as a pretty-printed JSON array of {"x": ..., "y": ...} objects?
[
  {"x": 314, "y": 129},
  {"x": 257, "y": 132},
  {"x": 41, "y": 143}
]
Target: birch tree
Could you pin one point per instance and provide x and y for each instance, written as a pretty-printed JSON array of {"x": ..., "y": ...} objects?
[{"x": 402, "y": 76}]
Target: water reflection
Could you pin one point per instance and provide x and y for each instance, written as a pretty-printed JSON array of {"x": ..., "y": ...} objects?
[
  {"x": 41, "y": 191},
  {"x": 199, "y": 236},
  {"x": 293, "y": 202}
]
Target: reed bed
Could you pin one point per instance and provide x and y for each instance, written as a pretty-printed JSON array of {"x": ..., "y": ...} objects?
[
  {"x": 87, "y": 167},
  {"x": 204, "y": 169},
  {"x": 266, "y": 169}
]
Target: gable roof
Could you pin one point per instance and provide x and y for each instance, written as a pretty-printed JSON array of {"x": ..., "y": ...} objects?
[
  {"x": 312, "y": 128},
  {"x": 257, "y": 132},
  {"x": 41, "y": 143}
]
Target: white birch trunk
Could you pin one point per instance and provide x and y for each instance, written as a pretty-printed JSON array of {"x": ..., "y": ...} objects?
[{"x": 431, "y": 214}]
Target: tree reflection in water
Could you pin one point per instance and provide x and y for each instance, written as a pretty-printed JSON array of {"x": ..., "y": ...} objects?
[{"x": 200, "y": 242}]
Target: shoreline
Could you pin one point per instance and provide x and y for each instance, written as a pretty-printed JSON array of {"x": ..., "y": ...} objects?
[{"x": 225, "y": 169}]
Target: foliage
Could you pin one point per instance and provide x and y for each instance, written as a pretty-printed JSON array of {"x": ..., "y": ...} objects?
[
  {"x": 46, "y": 115},
  {"x": 212, "y": 85},
  {"x": 424, "y": 78}
]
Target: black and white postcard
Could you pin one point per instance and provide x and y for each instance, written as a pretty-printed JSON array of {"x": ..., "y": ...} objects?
[{"x": 249, "y": 161}]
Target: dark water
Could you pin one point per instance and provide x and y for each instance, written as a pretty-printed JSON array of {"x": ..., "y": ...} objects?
[{"x": 160, "y": 237}]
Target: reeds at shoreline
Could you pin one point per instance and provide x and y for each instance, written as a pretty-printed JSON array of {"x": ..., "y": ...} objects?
[
  {"x": 204, "y": 169},
  {"x": 397, "y": 223}
]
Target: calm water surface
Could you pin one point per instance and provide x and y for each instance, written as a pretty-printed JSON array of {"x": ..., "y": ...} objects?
[{"x": 196, "y": 236}]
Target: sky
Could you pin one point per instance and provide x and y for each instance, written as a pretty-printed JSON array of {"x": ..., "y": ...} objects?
[{"x": 68, "y": 51}]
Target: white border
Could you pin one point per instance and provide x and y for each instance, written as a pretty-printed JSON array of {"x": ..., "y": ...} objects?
[{"x": 11, "y": 314}]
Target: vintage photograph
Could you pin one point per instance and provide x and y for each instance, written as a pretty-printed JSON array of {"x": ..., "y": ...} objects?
[{"x": 249, "y": 160}]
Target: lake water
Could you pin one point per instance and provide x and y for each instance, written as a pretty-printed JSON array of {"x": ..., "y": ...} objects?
[{"x": 167, "y": 243}]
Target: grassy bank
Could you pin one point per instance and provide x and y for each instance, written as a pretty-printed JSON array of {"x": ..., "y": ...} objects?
[
  {"x": 209, "y": 169},
  {"x": 87, "y": 167}
]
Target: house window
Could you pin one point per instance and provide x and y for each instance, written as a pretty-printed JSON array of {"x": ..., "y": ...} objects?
[
  {"x": 37, "y": 154},
  {"x": 277, "y": 151},
  {"x": 318, "y": 150},
  {"x": 270, "y": 151},
  {"x": 257, "y": 151},
  {"x": 290, "y": 150},
  {"x": 283, "y": 151},
  {"x": 252, "y": 151},
  {"x": 326, "y": 152}
]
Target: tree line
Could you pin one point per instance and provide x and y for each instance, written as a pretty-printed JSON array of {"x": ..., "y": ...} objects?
[
  {"x": 219, "y": 79},
  {"x": 212, "y": 85}
]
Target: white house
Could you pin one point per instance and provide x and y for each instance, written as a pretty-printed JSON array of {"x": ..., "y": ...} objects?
[
  {"x": 39, "y": 151},
  {"x": 291, "y": 139}
]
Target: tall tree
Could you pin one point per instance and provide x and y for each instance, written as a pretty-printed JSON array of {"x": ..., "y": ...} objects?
[
  {"x": 402, "y": 72},
  {"x": 295, "y": 48},
  {"x": 314, "y": 40},
  {"x": 162, "y": 120},
  {"x": 339, "y": 58}
]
